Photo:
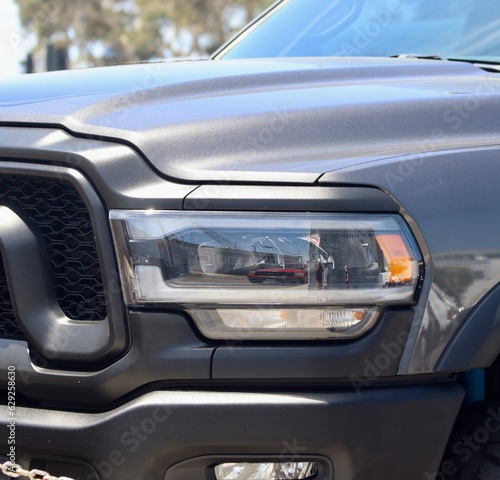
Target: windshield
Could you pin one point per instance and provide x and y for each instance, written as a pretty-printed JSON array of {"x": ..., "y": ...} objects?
[{"x": 461, "y": 29}]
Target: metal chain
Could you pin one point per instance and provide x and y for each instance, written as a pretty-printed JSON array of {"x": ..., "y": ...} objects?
[{"x": 16, "y": 471}]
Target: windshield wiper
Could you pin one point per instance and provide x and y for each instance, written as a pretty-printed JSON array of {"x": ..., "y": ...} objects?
[
  {"x": 487, "y": 65},
  {"x": 419, "y": 56}
]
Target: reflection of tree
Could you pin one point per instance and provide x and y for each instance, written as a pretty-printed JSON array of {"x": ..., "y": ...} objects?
[
  {"x": 82, "y": 24},
  {"x": 118, "y": 31}
]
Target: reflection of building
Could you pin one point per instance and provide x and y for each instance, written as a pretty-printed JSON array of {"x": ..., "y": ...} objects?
[
  {"x": 228, "y": 259},
  {"x": 479, "y": 264},
  {"x": 333, "y": 260},
  {"x": 179, "y": 256},
  {"x": 214, "y": 259},
  {"x": 209, "y": 252},
  {"x": 463, "y": 276},
  {"x": 202, "y": 252},
  {"x": 458, "y": 284}
]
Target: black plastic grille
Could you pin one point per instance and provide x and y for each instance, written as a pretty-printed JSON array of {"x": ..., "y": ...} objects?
[
  {"x": 55, "y": 209},
  {"x": 8, "y": 324}
]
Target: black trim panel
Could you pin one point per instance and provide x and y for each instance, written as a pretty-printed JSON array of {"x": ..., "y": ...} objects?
[
  {"x": 382, "y": 433},
  {"x": 173, "y": 353},
  {"x": 477, "y": 343},
  {"x": 53, "y": 335},
  {"x": 38, "y": 313},
  {"x": 122, "y": 178},
  {"x": 375, "y": 355},
  {"x": 292, "y": 199}
]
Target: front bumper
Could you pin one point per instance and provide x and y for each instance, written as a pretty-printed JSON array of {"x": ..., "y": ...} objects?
[{"x": 386, "y": 433}]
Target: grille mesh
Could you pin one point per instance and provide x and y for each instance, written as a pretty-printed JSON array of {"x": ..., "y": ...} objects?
[
  {"x": 8, "y": 325},
  {"x": 55, "y": 209}
]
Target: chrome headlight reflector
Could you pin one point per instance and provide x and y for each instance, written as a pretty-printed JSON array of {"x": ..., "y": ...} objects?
[
  {"x": 267, "y": 275},
  {"x": 266, "y": 471}
]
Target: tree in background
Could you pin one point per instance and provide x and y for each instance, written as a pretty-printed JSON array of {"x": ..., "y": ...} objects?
[{"x": 101, "y": 32}]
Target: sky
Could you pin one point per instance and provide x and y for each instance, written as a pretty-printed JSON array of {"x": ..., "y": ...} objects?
[{"x": 12, "y": 49}]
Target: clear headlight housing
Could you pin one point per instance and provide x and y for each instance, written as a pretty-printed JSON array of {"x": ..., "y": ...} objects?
[{"x": 260, "y": 276}]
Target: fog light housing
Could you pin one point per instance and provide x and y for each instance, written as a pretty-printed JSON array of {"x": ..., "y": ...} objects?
[
  {"x": 268, "y": 276},
  {"x": 278, "y": 323},
  {"x": 266, "y": 471}
]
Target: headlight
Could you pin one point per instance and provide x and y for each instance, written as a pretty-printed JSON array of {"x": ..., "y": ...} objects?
[{"x": 267, "y": 275}]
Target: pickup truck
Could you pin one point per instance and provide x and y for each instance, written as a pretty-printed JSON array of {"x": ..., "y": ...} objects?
[{"x": 356, "y": 138}]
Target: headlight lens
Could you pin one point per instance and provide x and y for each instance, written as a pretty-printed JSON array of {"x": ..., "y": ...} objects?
[{"x": 267, "y": 275}]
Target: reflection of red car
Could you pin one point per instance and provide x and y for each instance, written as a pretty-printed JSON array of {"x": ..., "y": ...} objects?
[{"x": 285, "y": 275}]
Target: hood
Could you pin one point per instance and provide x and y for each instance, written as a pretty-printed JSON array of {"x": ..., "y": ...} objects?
[{"x": 265, "y": 120}]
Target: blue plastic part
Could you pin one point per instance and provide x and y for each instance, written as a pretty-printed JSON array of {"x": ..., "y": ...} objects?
[{"x": 474, "y": 383}]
